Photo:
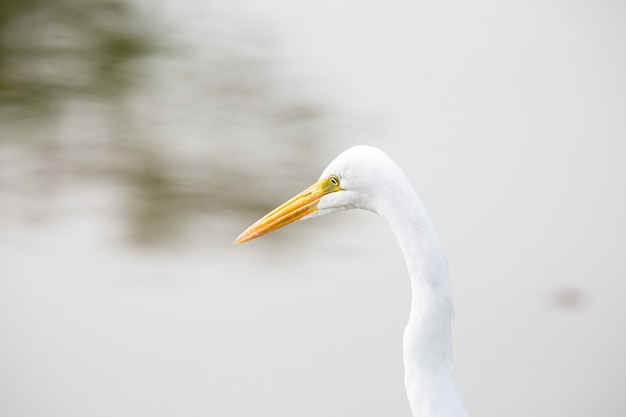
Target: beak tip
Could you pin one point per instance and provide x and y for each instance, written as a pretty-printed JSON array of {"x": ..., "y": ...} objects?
[{"x": 244, "y": 237}]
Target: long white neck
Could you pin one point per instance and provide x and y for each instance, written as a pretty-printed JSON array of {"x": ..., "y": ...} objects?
[{"x": 429, "y": 373}]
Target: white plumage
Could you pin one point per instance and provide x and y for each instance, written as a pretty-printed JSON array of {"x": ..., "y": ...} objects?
[{"x": 364, "y": 177}]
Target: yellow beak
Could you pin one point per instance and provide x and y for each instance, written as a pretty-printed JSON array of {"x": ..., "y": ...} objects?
[{"x": 299, "y": 206}]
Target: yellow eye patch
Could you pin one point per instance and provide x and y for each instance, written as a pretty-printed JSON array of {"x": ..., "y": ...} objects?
[{"x": 331, "y": 184}]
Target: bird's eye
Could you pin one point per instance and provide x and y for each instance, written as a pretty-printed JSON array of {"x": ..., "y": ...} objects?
[{"x": 334, "y": 179}]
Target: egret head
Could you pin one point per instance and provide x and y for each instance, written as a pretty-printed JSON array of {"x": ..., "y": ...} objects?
[{"x": 358, "y": 178}]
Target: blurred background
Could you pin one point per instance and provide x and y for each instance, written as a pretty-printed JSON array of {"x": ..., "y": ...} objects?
[{"x": 139, "y": 138}]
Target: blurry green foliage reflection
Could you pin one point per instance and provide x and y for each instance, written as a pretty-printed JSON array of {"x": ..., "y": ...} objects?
[
  {"x": 53, "y": 49},
  {"x": 99, "y": 91}
]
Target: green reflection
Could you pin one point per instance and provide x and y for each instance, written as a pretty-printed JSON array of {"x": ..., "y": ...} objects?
[
  {"x": 96, "y": 91},
  {"x": 53, "y": 51}
]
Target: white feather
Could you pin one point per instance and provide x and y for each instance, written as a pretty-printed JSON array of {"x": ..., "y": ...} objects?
[{"x": 372, "y": 181}]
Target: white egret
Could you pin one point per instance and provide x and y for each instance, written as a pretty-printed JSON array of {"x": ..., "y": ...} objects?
[{"x": 364, "y": 177}]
